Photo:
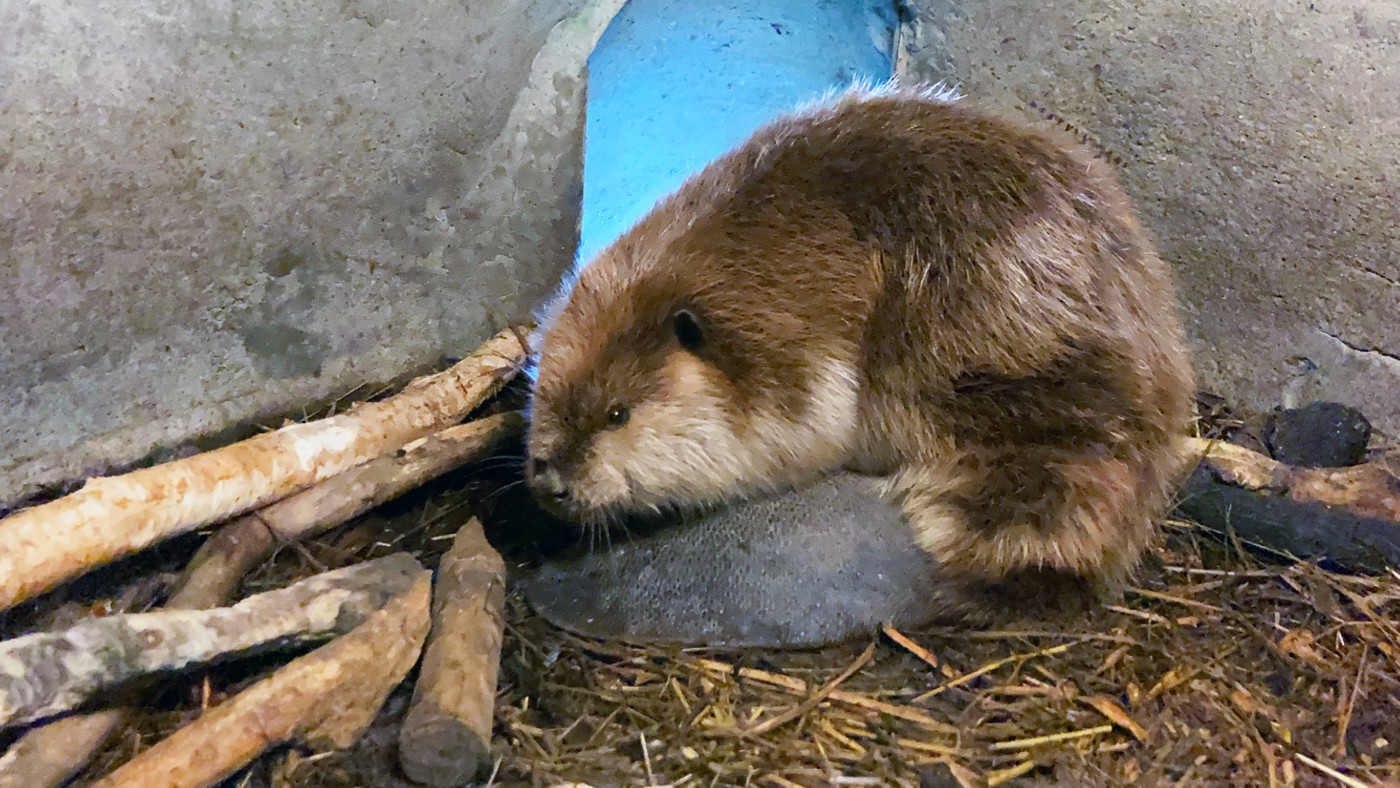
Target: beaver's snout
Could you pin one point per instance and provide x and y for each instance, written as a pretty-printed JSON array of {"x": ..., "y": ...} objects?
[{"x": 545, "y": 481}]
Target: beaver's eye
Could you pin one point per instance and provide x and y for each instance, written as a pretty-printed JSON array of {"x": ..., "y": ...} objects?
[{"x": 617, "y": 416}]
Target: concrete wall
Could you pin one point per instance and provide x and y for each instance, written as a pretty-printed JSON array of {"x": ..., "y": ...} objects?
[
  {"x": 1261, "y": 141},
  {"x": 212, "y": 213}
]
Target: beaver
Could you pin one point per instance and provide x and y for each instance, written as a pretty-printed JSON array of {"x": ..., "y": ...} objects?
[{"x": 891, "y": 282}]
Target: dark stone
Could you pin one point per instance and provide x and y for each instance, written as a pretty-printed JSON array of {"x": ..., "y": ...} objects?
[{"x": 1318, "y": 435}]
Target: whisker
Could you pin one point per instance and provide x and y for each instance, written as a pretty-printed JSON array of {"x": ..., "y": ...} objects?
[{"x": 494, "y": 495}]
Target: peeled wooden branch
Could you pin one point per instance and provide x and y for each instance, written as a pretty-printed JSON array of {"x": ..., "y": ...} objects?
[
  {"x": 49, "y": 754},
  {"x": 112, "y": 516},
  {"x": 47, "y": 673},
  {"x": 1348, "y": 515},
  {"x": 1368, "y": 490},
  {"x": 325, "y": 699},
  {"x": 222, "y": 561},
  {"x": 445, "y": 738}
]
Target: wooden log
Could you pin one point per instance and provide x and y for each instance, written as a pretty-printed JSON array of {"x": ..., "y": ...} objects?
[
  {"x": 48, "y": 754},
  {"x": 1348, "y": 515},
  {"x": 325, "y": 699},
  {"x": 220, "y": 564},
  {"x": 1367, "y": 490},
  {"x": 46, "y": 673},
  {"x": 112, "y": 516},
  {"x": 1301, "y": 529},
  {"x": 445, "y": 737}
]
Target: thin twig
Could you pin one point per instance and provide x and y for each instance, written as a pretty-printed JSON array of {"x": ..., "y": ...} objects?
[
  {"x": 816, "y": 698},
  {"x": 1351, "y": 782},
  {"x": 910, "y": 646},
  {"x": 1035, "y": 741},
  {"x": 841, "y": 696},
  {"x": 991, "y": 666}
]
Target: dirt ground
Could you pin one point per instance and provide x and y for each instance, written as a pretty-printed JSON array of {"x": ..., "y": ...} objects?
[{"x": 1222, "y": 666}]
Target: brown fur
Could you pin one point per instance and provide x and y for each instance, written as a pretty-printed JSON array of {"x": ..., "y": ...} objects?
[{"x": 896, "y": 283}]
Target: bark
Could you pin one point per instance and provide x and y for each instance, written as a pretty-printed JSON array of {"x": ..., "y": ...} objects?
[
  {"x": 1367, "y": 490},
  {"x": 445, "y": 738},
  {"x": 112, "y": 516},
  {"x": 47, "y": 673}
]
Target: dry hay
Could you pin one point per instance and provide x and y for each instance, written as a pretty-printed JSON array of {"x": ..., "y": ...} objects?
[{"x": 1215, "y": 669}]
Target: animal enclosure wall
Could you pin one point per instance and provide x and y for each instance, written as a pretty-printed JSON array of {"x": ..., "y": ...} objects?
[{"x": 211, "y": 215}]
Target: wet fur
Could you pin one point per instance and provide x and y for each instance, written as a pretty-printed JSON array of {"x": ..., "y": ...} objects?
[{"x": 895, "y": 282}]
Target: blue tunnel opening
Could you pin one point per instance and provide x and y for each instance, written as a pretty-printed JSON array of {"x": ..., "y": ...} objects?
[{"x": 675, "y": 83}]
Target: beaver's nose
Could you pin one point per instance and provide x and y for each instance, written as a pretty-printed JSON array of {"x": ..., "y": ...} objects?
[{"x": 546, "y": 478}]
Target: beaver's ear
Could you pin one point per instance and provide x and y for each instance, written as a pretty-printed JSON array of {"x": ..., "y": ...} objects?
[{"x": 686, "y": 326}]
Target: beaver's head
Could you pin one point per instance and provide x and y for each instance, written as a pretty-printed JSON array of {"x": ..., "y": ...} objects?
[{"x": 659, "y": 389}]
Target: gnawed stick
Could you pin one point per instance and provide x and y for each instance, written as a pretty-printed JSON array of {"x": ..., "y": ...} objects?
[
  {"x": 112, "y": 516},
  {"x": 445, "y": 738},
  {"x": 48, "y": 754},
  {"x": 325, "y": 699},
  {"x": 1368, "y": 490},
  {"x": 221, "y": 562},
  {"x": 1350, "y": 515},
  {"x": 51, "y": 754},
  {"x": 46, "y": 673}
]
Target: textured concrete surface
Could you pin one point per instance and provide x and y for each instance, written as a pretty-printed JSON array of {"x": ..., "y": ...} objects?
[
  {"x": 212, "y": 214},
  {"x": 1261, "y": 141}
]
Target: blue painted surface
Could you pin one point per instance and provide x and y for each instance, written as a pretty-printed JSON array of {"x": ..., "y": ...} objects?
[{"x": 675, "y": 83}]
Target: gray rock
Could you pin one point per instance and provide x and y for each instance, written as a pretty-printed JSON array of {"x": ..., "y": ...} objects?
[{"x": 1320, "y": 435}]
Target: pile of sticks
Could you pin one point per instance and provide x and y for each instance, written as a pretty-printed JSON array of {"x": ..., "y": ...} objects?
[{"x": 270, "y": 490}]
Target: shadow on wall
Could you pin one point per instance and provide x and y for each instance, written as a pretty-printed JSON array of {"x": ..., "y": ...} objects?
[{"x": 674, "y": 83}]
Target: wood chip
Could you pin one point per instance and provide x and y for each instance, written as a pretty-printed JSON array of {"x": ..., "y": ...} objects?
[{"x": 1115, "y": 713}]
